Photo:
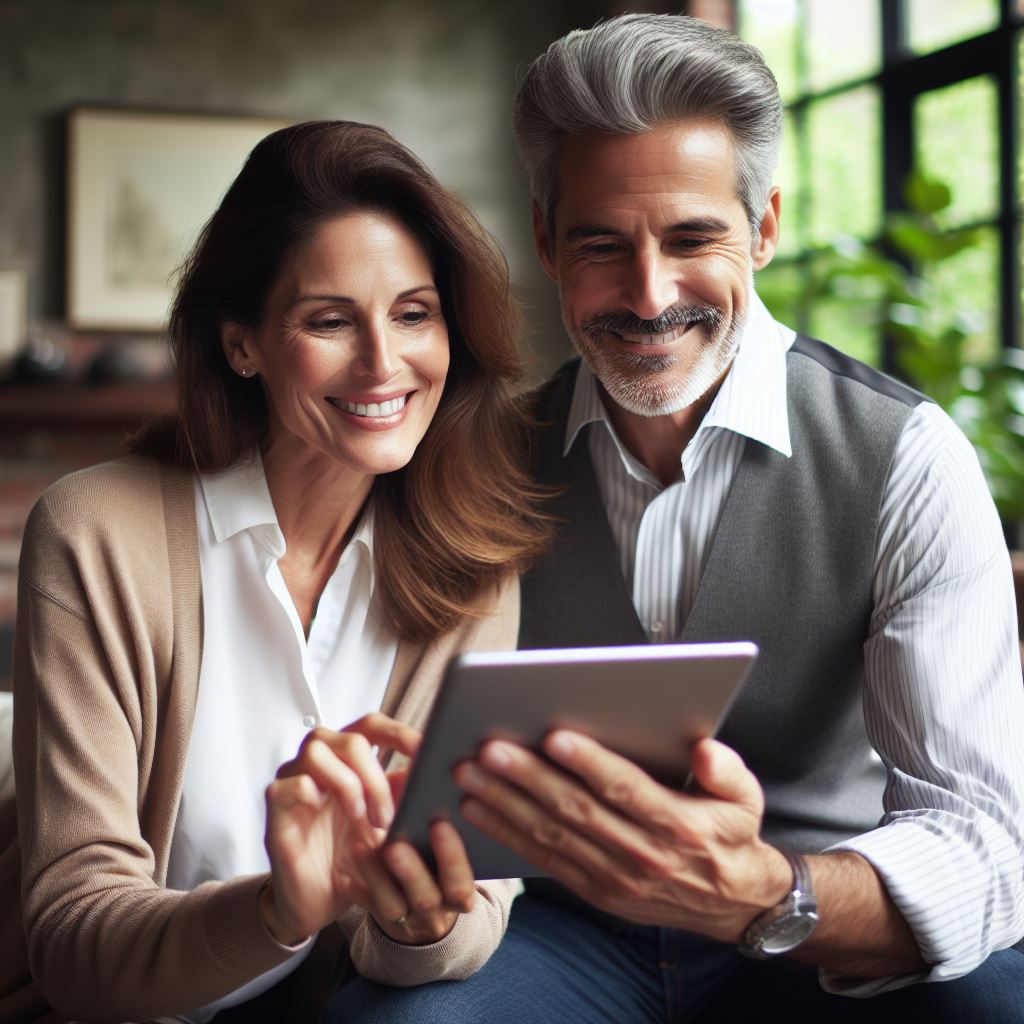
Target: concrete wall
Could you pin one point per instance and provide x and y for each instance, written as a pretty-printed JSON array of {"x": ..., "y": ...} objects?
[{"x": 439, "y": 76}]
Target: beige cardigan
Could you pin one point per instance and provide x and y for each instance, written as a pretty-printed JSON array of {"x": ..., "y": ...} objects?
[{"x": 106, "y": 674}]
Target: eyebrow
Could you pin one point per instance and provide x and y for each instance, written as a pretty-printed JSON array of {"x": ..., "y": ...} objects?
[
  {"x": 695, "y": 225},
  {"x": 350, "y": 301}
]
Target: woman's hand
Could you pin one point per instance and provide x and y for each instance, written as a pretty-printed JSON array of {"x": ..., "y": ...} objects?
[
  {"x": 409, "y": 903},
  {"x": 328, "y": 812}
]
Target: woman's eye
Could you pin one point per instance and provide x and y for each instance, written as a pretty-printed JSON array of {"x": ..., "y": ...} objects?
[
  {"x": 413, "y": 316},
  {"x": 327, "y": 323}
]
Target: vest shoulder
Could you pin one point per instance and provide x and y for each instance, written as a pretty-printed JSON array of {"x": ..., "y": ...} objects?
[
  {"x": 552, "y": 395},
  {"x": 815, "y": 358}
]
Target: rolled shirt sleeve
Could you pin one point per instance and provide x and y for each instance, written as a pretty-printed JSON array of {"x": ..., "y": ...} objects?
[{"x": 944, "y": 709}]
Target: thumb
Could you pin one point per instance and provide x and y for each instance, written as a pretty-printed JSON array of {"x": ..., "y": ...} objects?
[{"x": 721, "y": 773}]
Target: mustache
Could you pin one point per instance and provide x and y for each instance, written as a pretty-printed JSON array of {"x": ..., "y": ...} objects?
[{"x": 623, "y": 322}]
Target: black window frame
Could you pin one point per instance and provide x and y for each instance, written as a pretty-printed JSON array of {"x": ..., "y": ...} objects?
[{"x": 902, "y": 77}]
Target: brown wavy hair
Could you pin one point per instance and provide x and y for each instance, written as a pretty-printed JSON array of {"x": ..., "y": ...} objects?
[{"x": 463, "y": 512}]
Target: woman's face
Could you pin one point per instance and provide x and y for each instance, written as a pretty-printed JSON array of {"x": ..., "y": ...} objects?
[{"x": 353, "y": 348}]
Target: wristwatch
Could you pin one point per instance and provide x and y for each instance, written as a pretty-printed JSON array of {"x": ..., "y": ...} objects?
[{"x": 780, "y": 929}]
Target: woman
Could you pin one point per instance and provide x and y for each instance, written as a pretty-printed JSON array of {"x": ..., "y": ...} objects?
[{"x": 336, "y": 510}]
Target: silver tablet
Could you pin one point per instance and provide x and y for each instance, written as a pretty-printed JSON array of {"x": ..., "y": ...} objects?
[{"x": 648, "y": 703}]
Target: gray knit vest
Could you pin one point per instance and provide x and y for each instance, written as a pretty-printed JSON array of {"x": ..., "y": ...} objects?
[{"x": 790, "y": 568}]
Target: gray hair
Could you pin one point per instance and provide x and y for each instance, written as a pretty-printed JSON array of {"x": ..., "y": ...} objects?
[{"x": 628, "y": 75}]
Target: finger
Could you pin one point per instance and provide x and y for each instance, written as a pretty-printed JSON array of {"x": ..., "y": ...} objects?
[
  {"x": 722, "y": 773},
  {"x": 548, "y": 859},
  {"x": 524, "y": 822},
  {"x": 454, "y": 872},
  {"x": 383, "y": 731},
  {"x": 414, "y": 876},
  {"x": 294, "y": 791},
  {"x": 333, "y": 775},
  {"x": 619, "y": 783},
  {"x": 347, "y": 763},
  {"x": 385, "y": 898},
  {"x": 618, "y": 804},
  {"x": 397, "y": 780}
]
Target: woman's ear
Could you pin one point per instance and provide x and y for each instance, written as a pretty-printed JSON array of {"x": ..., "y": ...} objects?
[{"x": 236, "y": 341}]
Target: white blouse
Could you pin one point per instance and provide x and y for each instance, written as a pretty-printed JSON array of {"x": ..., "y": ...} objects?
[{"x": 263, "y": 685}]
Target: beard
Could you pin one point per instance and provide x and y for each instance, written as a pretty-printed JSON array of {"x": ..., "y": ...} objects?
[{"x": 659, "y": 384}]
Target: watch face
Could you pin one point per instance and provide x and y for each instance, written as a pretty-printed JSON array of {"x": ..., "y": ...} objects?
[{"x": 788, "y": 932}]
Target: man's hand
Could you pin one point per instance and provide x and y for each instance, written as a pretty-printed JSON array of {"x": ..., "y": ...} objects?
[{"x": 623, "y": 842}]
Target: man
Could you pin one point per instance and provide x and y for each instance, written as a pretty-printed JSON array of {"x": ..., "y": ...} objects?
[{"x": 724, "y": 479}]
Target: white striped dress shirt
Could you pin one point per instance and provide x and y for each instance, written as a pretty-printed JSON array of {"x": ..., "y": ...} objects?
[{"x": 944, "y": 701}]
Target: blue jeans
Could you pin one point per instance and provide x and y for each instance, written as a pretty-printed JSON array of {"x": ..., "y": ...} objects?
[{"x": 558, "y": 966}]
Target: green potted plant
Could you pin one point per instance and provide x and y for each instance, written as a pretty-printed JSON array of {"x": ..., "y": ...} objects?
[{"x": 892, "y": 286}]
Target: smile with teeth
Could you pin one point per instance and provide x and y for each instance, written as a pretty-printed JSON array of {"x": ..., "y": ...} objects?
[
  {"x": 375, "y": 410},
  {"x": 656, "y": 339}
]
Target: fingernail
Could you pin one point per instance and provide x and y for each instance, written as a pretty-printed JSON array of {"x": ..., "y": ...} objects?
[
  {"x": 468, "y": 776},
  {"x": 560, "y": 744},
  {"x": 496, "y": 755}
]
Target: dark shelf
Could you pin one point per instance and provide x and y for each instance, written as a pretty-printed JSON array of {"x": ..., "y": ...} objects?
[{"x": 30, "y": 405}]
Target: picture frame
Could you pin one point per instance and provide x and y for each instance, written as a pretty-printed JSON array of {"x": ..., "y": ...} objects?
[
  {"x": 13, "y": 315},
  {"x": 141, "y": 185}
]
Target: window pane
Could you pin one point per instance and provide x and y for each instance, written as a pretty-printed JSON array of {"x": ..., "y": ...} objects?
[
  {"x": 771, "y": 25},
  {"x": 956, "y": 138},
  {"x": 845, "y": 174},
  {"x": 963, "y": 289},
  {"x": 1020, "y": 115},
  {"x": 932, "y": 24},
  {"x": 843, "y": 41},
  {"x": 846, "y": 308},
  {"x": 847, "y": 326},
  {"x": 780, "y": 286},
  {"x": 792, "y": 221}
]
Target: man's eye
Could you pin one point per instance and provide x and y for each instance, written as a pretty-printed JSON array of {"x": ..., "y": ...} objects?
[
  {"x": 690, "y": 243},
  {"x": 601, "y": 248}
]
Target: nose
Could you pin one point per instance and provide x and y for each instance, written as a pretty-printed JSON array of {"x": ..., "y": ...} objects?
[
  {"x": 651, "y": 285},
  {"x": 375, "y": 355}
]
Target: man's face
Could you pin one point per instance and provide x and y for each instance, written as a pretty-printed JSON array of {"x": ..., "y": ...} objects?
[{"x": 653, "y": 257}]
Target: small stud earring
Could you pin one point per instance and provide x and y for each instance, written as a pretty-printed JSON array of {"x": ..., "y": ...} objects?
[{"x": 244, "y": 371}]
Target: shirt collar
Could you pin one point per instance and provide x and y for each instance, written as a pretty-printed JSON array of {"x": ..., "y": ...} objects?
[
  {"x": 238, "y": 499},
  {"x": 751, "y": 401}
]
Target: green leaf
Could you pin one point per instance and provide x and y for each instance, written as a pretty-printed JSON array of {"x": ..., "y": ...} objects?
[{"x": 926, "y": 195}]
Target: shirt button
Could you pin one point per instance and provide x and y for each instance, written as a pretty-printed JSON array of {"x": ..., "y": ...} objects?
[
  {"x": 657, "y": 626},
  {"x": 309, "y": 721}
]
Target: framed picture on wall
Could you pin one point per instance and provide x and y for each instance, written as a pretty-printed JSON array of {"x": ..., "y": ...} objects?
[
  {"x": 141, "y": 185},
  {"x": 13, "y": 315}
]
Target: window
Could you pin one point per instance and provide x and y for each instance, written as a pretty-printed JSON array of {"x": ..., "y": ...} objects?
[{"x": 874, "y": 90}]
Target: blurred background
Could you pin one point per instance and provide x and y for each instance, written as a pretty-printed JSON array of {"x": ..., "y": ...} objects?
[{"x": 902, "y": 179}]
